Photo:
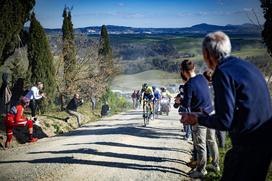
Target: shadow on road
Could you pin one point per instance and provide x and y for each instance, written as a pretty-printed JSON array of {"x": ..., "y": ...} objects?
[
  {"x": 113, "y": 155},
  {"x": 135, "y": 146},
  {"x": 71, "y": 160},
  {"x": 125, "y": 130}
]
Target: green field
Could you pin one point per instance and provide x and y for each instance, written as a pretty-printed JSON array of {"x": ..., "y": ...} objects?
[{"x": 131, "y": 82}]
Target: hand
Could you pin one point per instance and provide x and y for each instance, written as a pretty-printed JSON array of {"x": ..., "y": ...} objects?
[
  {"x": 189, "y": 118},
  {"x": 177, "y": 100},
  {"x": 43, "y": 95},
  {"x": 82, "y": 101}
]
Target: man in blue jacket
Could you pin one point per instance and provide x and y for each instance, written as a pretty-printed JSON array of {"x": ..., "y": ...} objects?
[{"x": 242, "y": 107}]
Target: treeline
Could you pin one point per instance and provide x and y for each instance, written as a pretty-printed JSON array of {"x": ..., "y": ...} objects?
[{"x": 63, "y": 75}]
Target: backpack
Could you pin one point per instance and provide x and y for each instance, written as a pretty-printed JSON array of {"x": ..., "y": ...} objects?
[{"x": 13, "y": 110}]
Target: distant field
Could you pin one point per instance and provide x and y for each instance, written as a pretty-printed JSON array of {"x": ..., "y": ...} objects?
[{"x": 131, "y": 82}]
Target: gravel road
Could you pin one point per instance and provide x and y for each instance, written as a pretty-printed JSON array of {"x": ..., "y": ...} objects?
[{"x": 115, "y": 148}]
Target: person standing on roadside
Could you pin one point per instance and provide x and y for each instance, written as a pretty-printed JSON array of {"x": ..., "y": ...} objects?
[
  {"x": 35, "y": 97},
  {"x": 221, "y": 135},
  {"x": 242, "y": 107},
  {"x": 196, "y": 99},
  {"x": 5, "y": 94},
  {"x": 134, "y": 97}
]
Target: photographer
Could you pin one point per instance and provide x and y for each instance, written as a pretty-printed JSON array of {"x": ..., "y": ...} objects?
[{"x": 72, "y": 108}]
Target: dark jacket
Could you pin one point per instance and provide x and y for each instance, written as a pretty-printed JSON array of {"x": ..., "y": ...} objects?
[
  {"x": 197, "y": 95},
  {"x": 242, "y": 103},
  {"x": 73, "y": 104}
]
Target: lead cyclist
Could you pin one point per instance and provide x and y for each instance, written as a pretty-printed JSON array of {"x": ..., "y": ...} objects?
[{"x": 148, "y": 95}]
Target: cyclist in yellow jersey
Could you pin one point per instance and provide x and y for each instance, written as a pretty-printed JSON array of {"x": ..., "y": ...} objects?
[{"x": 148, "y": 95}]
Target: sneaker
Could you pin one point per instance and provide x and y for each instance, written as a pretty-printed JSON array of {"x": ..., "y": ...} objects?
[
  {"x": 192, "y": 164},
  {"x": 197, "y": 174},
  {"x": 7, "y": 144},
  {"x": 37, "y": 123},
  {"x": 33, "y": 140},
  {"x": 213, "y": 168},
  {"x": 66, "y": 119}
]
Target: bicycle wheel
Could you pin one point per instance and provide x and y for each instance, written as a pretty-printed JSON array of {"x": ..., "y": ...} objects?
[
  {"x": 145, "y": 116},
  {"x": 147, "y": 110}
]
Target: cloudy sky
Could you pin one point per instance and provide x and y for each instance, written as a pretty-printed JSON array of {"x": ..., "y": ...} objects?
[{"x": 149, "y": 13}]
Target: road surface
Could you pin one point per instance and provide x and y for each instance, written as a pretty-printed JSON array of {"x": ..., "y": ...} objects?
[{"x": 115, "y": 148}]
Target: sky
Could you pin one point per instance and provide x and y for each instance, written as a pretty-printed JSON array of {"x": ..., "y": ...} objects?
[{"x": 149, "y": 13}]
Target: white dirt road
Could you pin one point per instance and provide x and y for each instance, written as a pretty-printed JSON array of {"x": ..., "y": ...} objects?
[{"x": 115, "y": 148}]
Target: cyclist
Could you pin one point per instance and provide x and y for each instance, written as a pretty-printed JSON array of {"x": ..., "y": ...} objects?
[
  {"x": 147, "y": 95},
  {"x": 157, "y": 99},
  {"x": 165, "y": 94},
  {"x": 15, "y": 118}
]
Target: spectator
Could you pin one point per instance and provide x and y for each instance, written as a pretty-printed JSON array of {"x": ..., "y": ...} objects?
[
  {"x": 134, "y": 97},
  {"x": 197, "y": 98},
  {"x": 138, "y": 99},
  {"x": 15, "y": 118},
  {"x": 17, "y": 92},
  {"x": 72, "y": 106},
  {"x": 105, "y": 110},
  {"x": 5, "y": 94},
  {"x": 219, "y": 134},
  {"x": 242, "y": 106},
  {"x": 35, "y": 98},
  {"x": 212, "y": 147},
  {"x": 93, "y": 102}
]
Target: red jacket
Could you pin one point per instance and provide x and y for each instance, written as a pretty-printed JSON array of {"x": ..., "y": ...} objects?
[{"x": 19, "y": 116}]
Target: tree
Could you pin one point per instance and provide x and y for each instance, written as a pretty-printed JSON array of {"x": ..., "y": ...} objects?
[
  {"x": 68, "y": 51},
  {"x": 266, "y": 33},
  {"x": 13, "y": 15},
  {"x": 40, "y": 57},
  {"x": 105, "y": 49},
  {"x": 105, "y": 55}
]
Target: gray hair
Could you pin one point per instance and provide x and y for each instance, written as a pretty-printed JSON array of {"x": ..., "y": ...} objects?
[{"x": 217, "y": 44}]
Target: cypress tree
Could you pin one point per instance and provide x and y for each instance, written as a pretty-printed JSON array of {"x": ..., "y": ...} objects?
[
  {"x": 68, "y": 51},
  {"x": 266, "y": 33},
  {"x": 13, "y": 15},
  {"x": 40, "y": 57},
  {"x": 105, "y": 49}
]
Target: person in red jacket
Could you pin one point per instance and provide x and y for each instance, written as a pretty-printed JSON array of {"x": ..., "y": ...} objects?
[{"x": 15, "y": 118}]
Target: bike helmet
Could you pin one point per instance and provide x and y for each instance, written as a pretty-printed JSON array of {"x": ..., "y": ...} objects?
[
  {"x": 144, "y": 87},
  {"x": 154, "y": 87}
]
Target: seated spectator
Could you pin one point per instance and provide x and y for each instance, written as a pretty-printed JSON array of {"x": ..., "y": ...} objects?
[
  {"x": 105, "y": 110},
  {"x": 15, "y": 118},
  {"x": 72, "y": 106}
]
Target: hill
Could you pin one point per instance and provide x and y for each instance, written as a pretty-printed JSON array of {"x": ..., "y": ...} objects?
[
  {"x": 196, "y": 29},
  {"x": 128, "y": 83}
]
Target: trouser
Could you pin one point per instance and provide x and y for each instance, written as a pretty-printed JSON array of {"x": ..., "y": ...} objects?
[
  {"x": 221, "y": 138},
  {"x": 187, "y": 130},
  {"x": 76, "y": 114},
  {"x": 33, "y": 107},
  {"x": 200, "y": 145},
  {"x": 10, "y": 126},
  {"x": 212, "y": 145},
  {"x": 249, "y": 163},
  {"x": 134, "y": 103}
]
